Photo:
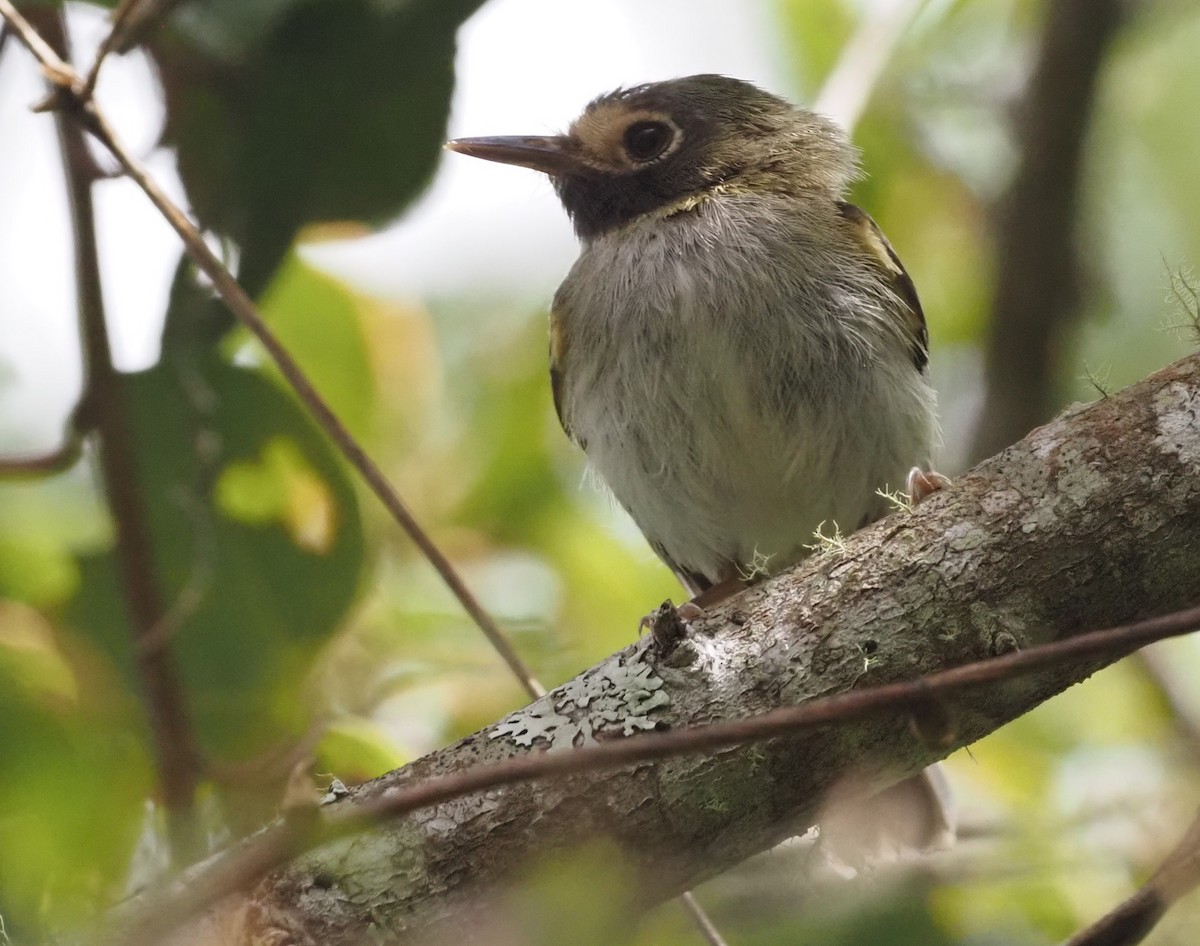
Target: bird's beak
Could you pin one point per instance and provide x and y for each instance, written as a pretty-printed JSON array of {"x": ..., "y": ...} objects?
[{"x": 552, "y": 155}]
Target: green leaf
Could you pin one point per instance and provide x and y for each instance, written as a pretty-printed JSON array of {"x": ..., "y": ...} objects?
[
  {"x": 354, "y": 750},
  {"x": 73, "y": 777},
  {"x": 289, "y": 112},
  {"x": 260, "y": 591},
  {"x": 316, "y": 317}
]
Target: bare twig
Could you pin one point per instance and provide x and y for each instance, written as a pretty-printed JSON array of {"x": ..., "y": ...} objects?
[
  {"x": 148, "y": 13},
  {"x": 1037, "y": 256},
  {"x": 58, "y": 460},
  {"x": 57, "y": 71},
  {"x": 120, "y": 21},
  {"x": 243, "y": 307},
  {"x": 1133, "y": 919},
  {"x": 170, "y": 726},
  {"x": 236, "y": 868},
  {"x": 84, "y": 111},
  {"x": 703, "y": 921},
  {"x": 847, "y": 89}
]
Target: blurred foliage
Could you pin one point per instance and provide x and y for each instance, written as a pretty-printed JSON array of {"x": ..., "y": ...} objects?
[
  {"x": 276, "y": 111},
  {"x": 306, "y": 626}
]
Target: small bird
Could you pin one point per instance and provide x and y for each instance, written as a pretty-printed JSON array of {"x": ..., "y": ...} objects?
[{"x": 738, "y": 350}]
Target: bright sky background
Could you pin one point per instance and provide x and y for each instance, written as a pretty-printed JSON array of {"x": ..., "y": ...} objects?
[
  {"x": 528, "y": 67},
  {"x": 524, "y": 66}
]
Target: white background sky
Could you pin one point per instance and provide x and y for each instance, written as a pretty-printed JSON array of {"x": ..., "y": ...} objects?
[{"x": 524, "y": 66}]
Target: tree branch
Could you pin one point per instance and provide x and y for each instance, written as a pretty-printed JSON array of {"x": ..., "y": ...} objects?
[
  {"x": 72, "y": 97},
  {"x": 121, "y": 19},
  {"x": 1133, "y": 919},
  {"x": 239, "y": 866},
  {"x": 1091, "y": 520},
  {"x": 170, "y": 726},
  {"x": 1035, "y": 301},
  {"x": 58, "y": 460}
]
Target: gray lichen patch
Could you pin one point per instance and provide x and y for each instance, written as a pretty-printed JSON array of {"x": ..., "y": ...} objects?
[
  {"x": 1079, "y": 480},
  {"x": 1178, "y": 410},
  {"x": 618, "y": 695},
  {"x": 373, "y": 868}
]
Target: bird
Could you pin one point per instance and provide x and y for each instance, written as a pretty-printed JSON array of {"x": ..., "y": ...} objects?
[{"x": 738, "y": 349}]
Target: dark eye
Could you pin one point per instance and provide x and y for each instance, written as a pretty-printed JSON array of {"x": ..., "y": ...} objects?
[{"x": 645, "y": 141}]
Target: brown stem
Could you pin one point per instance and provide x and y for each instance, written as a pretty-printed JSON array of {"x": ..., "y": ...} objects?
[
  {"x": 57, "y": 460},
  {"x": 1036, "y": 298},
  {"x": 69, "y": 97},
  {"x": 702, "y": 921},
  {"x": 170, "y": 727},
  {"x": 1133, "y": 919},
  {"x": 120, "y": 21}
]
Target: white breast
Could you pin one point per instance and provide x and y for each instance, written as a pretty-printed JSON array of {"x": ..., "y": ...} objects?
[{"x": 736, "y": 387}]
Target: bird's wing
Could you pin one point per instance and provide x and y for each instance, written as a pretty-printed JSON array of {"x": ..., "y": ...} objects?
[{"x": 877, "y": 249}]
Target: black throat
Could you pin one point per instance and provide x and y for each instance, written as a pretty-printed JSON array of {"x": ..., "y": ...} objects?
[{"x": 600, "y": 203}]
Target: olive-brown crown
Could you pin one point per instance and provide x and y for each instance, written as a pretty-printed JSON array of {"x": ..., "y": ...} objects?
[{"x": 641, "y": 149}]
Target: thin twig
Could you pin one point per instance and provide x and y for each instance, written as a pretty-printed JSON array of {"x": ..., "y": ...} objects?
[
  {"x": 172, "y": 736},
  {"x": 703, "y": 921},
  {"x": 237, "y": 867},
  {"x": 89, "y": 116},
  {"x": 848, "y": 87},
  {"x": 57, "y": 71},
  {"x": 120, "y": 19},
  {"x": 58, "y": 460},
  {"x": 1133, "y": 919},
  {"x": 135, "y": 28}
]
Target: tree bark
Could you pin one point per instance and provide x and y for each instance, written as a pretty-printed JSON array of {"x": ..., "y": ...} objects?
[{"x": 1090, "y": 521}]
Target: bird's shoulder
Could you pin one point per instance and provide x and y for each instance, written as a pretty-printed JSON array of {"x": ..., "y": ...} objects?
[{"x": 879, "y": 254}]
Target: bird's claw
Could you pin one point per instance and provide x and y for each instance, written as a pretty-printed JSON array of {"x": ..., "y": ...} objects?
[
  {"x": 687, "y": 612},
  {"x": 922, "y": 484}
]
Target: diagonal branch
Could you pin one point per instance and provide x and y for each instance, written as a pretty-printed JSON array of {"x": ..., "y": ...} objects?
[
  {"x": 70, "y": 99},
  {"x": 1092, "y": 520},
  {"x": 1132, "y": 920},
  {"x": 235, "y": 869},
  {"x": 121, "y": 19},
  {"x": 58, "y": 460}
]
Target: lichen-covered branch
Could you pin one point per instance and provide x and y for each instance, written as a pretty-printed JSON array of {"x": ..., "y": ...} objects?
[{"x": 1091, "y": 521}]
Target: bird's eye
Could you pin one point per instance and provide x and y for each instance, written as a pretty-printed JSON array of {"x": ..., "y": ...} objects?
[{"x": 645, "y": 141}]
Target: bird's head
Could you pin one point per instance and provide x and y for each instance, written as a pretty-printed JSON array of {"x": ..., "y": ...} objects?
[{"x": 639, "y": 150}]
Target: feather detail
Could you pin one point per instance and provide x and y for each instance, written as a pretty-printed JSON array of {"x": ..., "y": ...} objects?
[{"x": 879, "y": 251}]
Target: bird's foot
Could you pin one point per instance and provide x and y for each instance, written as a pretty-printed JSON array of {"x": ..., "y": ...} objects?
[
  {"x": 696, "y": 608},
  {"x": 922, "y": 484},
  {"x": 685, "y": 613}
]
